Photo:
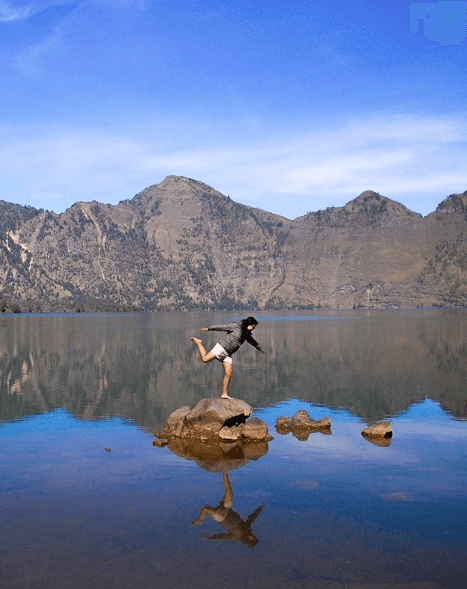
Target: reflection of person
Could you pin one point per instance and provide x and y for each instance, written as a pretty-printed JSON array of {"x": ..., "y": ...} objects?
[
  {"x": 238, "y": 530},
  {"x": 237, "y": 333}
]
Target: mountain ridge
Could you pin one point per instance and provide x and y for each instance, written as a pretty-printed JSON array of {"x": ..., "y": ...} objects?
[{"x": 181, "y": 244}]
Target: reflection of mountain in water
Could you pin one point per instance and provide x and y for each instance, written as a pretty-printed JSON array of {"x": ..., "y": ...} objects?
[{"x": 142, "y": 366}]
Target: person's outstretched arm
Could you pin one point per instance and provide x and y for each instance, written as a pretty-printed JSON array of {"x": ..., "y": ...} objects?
[
  {"x": 251, "y": 340},
  {"x": 228, "y": 327},
  {"x": 251, "y": 518}
]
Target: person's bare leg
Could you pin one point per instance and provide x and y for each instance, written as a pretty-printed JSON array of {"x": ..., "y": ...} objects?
[
  {"x": 203, "y": 353},
  {"x": 228, "y": 372},
  {"x": 203, "y": 513},
  {"x": 228, "y": 495}
]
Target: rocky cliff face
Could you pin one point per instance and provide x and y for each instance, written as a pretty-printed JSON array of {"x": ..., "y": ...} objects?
[{"x": 181, "y": 244}]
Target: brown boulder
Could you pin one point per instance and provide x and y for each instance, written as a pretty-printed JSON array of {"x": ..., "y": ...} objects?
[
  {"x": 231, "y": 433},
  {"x": 215, "y": 418},
  {"x": 378, "y": 431},
  {"x": 174, "y": 422},
  {"x": 301, "y": 425},
  {"x": 255, "y": 429},
  {"x": 218, "y": 409}
]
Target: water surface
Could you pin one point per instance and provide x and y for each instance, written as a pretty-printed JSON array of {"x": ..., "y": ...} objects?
[{"x": 88, "y": 501}]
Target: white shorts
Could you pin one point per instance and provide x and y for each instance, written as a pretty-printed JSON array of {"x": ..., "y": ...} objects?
[{"x": 221, "y": 354}]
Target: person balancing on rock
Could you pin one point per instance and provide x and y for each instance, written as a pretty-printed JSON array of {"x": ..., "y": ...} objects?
[{"x": 237, "y": 333}]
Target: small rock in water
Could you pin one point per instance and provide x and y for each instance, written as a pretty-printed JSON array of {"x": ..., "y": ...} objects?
[
  {"x": 160, "y": 443},
  {"x": 397, "y": 497},
  {"x": 382, "y": 429},
  {"x": 301, "y": 425}
]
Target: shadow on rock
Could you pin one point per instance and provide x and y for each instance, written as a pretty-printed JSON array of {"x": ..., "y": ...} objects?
[{"x": 301, "y": 425}]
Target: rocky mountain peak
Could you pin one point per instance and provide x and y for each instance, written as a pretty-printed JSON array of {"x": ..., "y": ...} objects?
[
  {"x": 175, "y": 189},
  {"x": 375, "y": 204},
  {"x": 13, "y": 215},
  {"x": 453, "y": 203},
  {"x": 182, "y": 185},
  {"x": 368, "y": 209}
]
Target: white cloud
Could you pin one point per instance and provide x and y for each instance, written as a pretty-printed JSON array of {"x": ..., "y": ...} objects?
[
  {"x": 14, "y": 11},
  {"x": 399, "y": 157},
  {"x": 9, "y": 12},
  {"x": 415, "y": 160}
]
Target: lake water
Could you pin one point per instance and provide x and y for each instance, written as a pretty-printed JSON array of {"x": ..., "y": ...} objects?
[{"x": 87, "y": 501}]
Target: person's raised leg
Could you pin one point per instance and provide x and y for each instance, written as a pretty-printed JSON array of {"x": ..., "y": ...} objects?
[
  {"x": 203, "y": 353},
  {"x": 228, "y": 372}
]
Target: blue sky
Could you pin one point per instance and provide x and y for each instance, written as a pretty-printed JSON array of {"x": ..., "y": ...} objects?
[{"x": 288, "y": 105}]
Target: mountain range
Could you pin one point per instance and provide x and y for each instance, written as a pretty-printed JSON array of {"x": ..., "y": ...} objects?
[{"x": 182, "y": 245}]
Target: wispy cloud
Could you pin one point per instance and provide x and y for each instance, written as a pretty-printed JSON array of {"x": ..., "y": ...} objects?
[
  {"x": 31, "y": 61},
  {"x": 124, "y": 4},
  {"x": 14, "y": 11},
  {"x": 407, "y": 158},
  {"x": 10, "y": 12},
  {"x": 416, "y": 160}
]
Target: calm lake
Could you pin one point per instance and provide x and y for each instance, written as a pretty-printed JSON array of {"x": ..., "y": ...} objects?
[{"x": 87, "y": 501}]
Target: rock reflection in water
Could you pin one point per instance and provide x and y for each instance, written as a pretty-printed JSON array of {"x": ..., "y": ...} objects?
[{"x": 224, "y": 457}]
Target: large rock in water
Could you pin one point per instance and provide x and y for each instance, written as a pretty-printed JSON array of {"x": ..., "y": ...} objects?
[{"x": 215, "y": 418}]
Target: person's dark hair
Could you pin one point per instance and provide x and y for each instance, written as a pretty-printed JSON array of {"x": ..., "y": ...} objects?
[{"x": 249, "y": 321}]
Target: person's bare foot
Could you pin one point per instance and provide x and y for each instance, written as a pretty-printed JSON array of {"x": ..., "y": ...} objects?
[{"x": 195, "y": 340}]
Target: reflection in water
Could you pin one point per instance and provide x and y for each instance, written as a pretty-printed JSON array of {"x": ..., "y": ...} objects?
[
  {"x": 218, "y": 456},
  {"x": 239, "y": 530},
  {"x": 223, "y": 457},
  {"x": 140, "y": 366},
  {"x": 382, "y": 442},
  {"x": 93, "y": 504}
]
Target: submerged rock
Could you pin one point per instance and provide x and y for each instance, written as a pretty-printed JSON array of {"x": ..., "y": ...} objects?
[
  {"x": 215, "y": 419},
  {"x": 301, "y": 425}
]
